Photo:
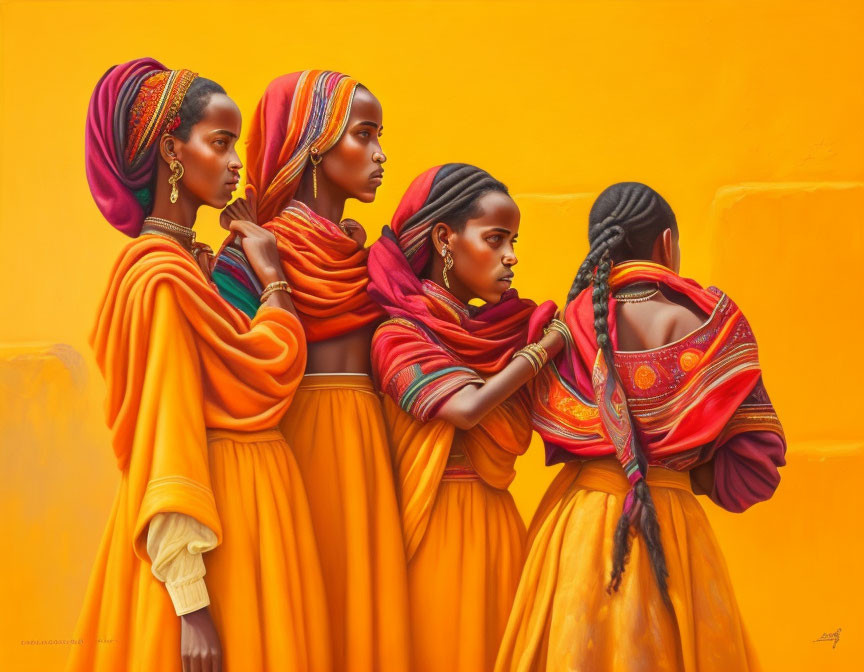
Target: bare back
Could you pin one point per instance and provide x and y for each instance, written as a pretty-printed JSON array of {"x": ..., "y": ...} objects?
[
  {"x": 348, "y": 353},
  {"x": 664, "y": 319}
]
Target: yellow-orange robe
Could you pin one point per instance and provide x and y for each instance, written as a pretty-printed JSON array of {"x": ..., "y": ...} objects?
[
  {"x": 336, "y": 429},
  {"x": 464, "y": 537},
  {"x": 563, "y": 617},
  {"x": 195, "y": 391}
]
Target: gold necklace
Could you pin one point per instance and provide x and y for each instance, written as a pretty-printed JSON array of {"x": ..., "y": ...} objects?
[
  {"x": 638, "y": 296},
  {"x": 182, "y": 234}
]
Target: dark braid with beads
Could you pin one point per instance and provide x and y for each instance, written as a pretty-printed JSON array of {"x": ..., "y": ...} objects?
[{"x": 625, "y": 221}]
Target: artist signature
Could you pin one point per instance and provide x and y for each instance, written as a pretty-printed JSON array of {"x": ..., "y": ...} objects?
[{"x": 830, "y": 637}]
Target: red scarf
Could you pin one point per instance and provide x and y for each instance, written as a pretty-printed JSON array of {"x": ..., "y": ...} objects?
[
  {"x": 686, "y": 398},
  {"x": 436, "y": 344}
]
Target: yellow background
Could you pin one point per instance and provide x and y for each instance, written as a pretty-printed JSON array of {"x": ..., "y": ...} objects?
[{"x": 747, "y": 116}]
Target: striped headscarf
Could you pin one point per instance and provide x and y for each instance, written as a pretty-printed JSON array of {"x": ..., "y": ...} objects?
[
  {"x": 131, "y": 107},
  {"x": 297, "y": 112},
  {"x": 325, "y": 267}
]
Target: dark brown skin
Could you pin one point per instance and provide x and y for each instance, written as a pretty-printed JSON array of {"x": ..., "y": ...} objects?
[
  {"x": 352, "y": 168},
  {"x": 200, "y": 649},
  {"x": 483, "y": 258},
  {"x": 663, "y": 319},
  {"x": 238, "y": 218},
  {"x": 211, "y": 172},
  {"x": 210, "y": 162}
]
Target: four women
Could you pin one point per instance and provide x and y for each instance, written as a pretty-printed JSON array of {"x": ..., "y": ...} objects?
[{"x": 337, "y": 535}]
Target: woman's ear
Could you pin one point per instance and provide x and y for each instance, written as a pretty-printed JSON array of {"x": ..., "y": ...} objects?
[
  {"x": 664, "y": 249},
  {"x": 168, "y": 148},
  {"x": 441, "y": 233}
]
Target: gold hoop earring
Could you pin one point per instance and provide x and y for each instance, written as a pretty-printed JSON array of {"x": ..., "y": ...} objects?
[
  {"x": 315, "y": 159},
  {"x": 448, "y": 264},
  {"x": 176, "y": 173}
]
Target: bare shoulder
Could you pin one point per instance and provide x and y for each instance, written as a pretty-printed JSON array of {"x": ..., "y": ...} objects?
[{"x": 653, "y": 324}]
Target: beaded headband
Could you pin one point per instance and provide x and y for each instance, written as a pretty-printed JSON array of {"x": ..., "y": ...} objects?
[{"x": 156, "y": 110}]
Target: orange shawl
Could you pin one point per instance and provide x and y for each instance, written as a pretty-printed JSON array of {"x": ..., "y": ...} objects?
[
  {"x": 420, "y": 452},
  {"x": 421, "y": 448},
  {"x": 327, "y": 272},
  {"x": 177, "y": 360},
  {"x": 326, "y": 269}
]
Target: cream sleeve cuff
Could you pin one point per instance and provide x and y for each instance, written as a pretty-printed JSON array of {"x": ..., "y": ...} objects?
[{"x": 175, "y": 543}]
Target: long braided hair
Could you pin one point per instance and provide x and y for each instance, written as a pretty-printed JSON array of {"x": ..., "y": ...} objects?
[{"x": 625, "y": 221}]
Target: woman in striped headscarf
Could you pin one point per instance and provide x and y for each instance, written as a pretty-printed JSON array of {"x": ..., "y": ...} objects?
[
  {"x": 194, "y": 390},
  {"x": 450, "y": 373},
  {"x": 314, "y": 142}
]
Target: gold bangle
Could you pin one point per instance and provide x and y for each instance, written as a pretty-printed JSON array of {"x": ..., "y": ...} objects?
[
  {"x": 524, "y": 354},
  {"x": 278, "y": 286},
  {"x": 540, "y": 351},
  {"x": 535, "y": 354},
  {"x": 561, "y": 327}
]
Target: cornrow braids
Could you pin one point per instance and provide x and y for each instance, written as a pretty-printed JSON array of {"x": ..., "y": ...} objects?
[
  {"x": 611, "y": 237},
  {"x": 647, "y": 521},
  {"x": 454, "y": 195},
  {"x": 625, "y": 221}
]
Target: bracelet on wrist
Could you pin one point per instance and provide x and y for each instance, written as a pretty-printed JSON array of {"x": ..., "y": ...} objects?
[
  {"x": 535, "y": 354},
  {"x": 560, "y": 327},
  {"x": 278, "y": 286}
]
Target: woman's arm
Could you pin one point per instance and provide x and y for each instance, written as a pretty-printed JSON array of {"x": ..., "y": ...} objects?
[
  {"x": 743, "y": 472},
  {"x": 259, "y": 246},
  {"x": 467, "y": 407}
]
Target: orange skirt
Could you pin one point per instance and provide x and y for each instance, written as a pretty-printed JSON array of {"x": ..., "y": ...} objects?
[
  {"x": 463, "y": 577},
  {"x": 264, "y": 580},
  {"x": 563, "y": 618},
  {"x": 336, "y": 429}
]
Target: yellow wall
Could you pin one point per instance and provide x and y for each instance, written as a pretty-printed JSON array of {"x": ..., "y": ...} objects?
[{"x": 746, "y": 115}]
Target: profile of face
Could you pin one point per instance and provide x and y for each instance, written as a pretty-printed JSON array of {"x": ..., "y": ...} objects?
[
  {"x": 482, "y": 250},
  {"x": 211, "y": 166},
  {"x": 353, "y": 164}
]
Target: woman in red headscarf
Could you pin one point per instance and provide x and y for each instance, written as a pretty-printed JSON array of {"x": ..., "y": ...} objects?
[
  {"x": 660, "y": 397},
  {"x": 313, "y": 144},
  {"x": 195, "y": 391},
  {"x": 451, "y": 374}
]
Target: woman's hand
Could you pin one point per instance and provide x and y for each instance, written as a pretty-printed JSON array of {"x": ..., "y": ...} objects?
[
  {"x": 244, "y": 209},
  {"x": 259, "y": 246},
  {"x": 200, "y": 648},
  {"x": 354, "y": 230}
]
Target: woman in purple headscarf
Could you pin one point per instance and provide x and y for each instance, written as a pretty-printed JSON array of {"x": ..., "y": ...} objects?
[{"x": 195, "y": 390}]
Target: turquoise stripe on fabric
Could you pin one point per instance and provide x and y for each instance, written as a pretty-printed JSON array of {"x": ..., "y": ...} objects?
[{"x": 409, "y": 397}]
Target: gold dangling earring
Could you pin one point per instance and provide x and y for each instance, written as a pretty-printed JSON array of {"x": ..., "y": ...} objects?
[
  {"x": 448, "y": 264},
  {"x": 176, "y": 173},
  {"x": 315, "y": 159}
]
